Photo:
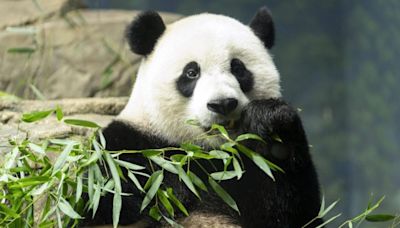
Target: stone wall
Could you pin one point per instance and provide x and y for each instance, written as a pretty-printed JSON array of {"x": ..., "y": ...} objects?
[{"x": 63, "y": 52}]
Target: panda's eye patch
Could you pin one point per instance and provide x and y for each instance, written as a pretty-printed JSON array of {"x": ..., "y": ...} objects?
[
  {"x": 187, "y": 81},
  {"x": 244, "y": 76}
]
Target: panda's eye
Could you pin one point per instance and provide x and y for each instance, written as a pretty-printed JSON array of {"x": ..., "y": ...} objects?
[
  {"x": 192, "y": 73},
  {"x": 188, "y": 79},
  {"x": 237, "y": 68},
  {"x": 243, "y": 76}
]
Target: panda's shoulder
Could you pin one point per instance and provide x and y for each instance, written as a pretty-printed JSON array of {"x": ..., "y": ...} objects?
[{"x": 124, "y": 135}]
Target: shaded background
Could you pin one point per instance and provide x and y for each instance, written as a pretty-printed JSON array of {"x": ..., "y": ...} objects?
[{"x": 340, "y": 63}]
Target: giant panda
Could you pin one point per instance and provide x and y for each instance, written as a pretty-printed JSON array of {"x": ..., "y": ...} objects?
[{"x": 214, "y": 69}]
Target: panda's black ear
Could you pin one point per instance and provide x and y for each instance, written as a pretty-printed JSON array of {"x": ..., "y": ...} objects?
[
  {"x": 143, "y": 32},
  {"x": 263, "y": 26}
]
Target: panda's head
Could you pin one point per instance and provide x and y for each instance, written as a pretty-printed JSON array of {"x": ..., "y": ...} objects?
[{"x": 204, "y": 67}]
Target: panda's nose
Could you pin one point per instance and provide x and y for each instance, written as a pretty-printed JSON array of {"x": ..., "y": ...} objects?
[{"x": 222, "y": 106}]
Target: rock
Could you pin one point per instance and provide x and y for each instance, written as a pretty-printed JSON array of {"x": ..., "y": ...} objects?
[
  {"x": 81, "y": 53},
  {"x": 98, "y": 110}
]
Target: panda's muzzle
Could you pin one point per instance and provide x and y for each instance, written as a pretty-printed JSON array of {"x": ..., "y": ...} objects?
[{"x": 223, "y": 106}]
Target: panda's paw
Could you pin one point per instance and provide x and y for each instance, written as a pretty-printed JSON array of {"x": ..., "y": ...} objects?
[{"x": 272, "y": 119}]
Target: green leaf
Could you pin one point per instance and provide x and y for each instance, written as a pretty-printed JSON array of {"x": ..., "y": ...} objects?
[
  {"x": 223, "y": 194},
  {"x": 178, "y": 157},
  {"x": 197, "y": 181},
  {"x": 21, "y": 50},
  {"x": 36, "y": 116},
  {"x": 261, "y": 162},
  {"x": 202, "y": 155},
  {"x": 102, "y": 139},
  {"x": 224, "y": 175},
  {"x": 329, "y": 208},
  {"x": 96, "y": 200},
  {"x": 155, "y": 213},
  {"x": 151, "y": 152},
  {"x": 62, "y": 158},
  {"x": 129, "y": 165},
  {"x": 90, "y": 182},
  {"x": 59, "y": 113},
  {"x": 328, "y": 221},
  {"x": 157, "y": 176},
  {"x": 164, "y": 164},
  {"x": 81, "y": 123},
  {"x": 237, "y": 168},
  {"x": 176, "y": 201},
  {"x": 114, "y": 172},
  {"x": 228, "y": 146},
  {"x": 9, "y": 211},
  {"x": 249, "y": 136},
  {"x": 66, "y": 208},
  {"x": 79, "y": 187},
  {"x": 190, "y": 147},
  {"x": 135, "y": 181},
  {"x": 36, "y": 148},
  {"x": 117, "y": 205},
  {"x": 379, "y": 218},
  {"x": 276, "y": 138},
  {"x": 163, "y": 197},
  {"x": 221, "y": 129},
  {"x": 182, "y": 175},
  {"x": 219, "y": 154}
]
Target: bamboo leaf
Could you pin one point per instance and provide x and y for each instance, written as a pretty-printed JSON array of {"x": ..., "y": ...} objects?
[
  {"x": 151, "y": 152},
  {"x": 135, "y": 181},
  {"x": 155, "y": 213},
  {"x": 81, "y": 123},
  {"x": 249, "y": 136},
  {"x": 219, "y": 154},
  {"x": 66, "y": 208},
  {"x": 257, "y": 159},
  {"x": 36, "y": 148},
  {"x": 379, "y": 218},
  {"x": 163, "y": 197},
  {"x": 21, "y": 50},
  {"x": 237, "y": 168},
  {"x": 221, "y": 129},
  {"x": 129, "y": 165},
  {"x": 36, "y": 116},
  {"x": 164, "y": 164},
  {"x": 62, "y": 158},
  {"x": 79, "y": 186},
  {"x": 59, "y": 113},
  {"x": 223, "y": 194},
  {"x": 117, "y": 205},
  {"x": 96, "y": 200},
  {"x": 197, "y": 181},
  {"x": 223, "y": 175},
  {"x": 176, "y": 201},
  {"x": 182, "y": 174},
  {"x": 157, "y": 176},
  {"x": 114, "y": 172}
]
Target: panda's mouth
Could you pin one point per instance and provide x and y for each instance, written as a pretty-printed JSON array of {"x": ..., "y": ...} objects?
[{"x": 229, "y": 125}]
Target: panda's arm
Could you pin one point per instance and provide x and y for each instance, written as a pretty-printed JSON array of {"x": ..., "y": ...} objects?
[{"x": 272, "y": 118}]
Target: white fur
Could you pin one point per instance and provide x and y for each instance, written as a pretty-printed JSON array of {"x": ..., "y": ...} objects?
[{"x": 212, "y": 41}]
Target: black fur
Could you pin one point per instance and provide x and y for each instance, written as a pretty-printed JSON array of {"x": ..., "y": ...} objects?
[
  {"x": 290, "y": 201},
  {"x": 263, "y": 26},
  {"x": 244, "y": 76},
  {"x": 144, "y": 31},
  {"x": 185, "y": 84}
]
